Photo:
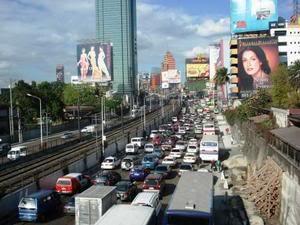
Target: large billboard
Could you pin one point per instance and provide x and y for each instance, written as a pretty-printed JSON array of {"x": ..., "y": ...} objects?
[
  {"x": 94, "y": 62},
  {"x": 197, "y": 67},
  {"x": 257, "y": 58},
  {"x": 171, "y": 77},
  {"x": 252, "y": 15}
]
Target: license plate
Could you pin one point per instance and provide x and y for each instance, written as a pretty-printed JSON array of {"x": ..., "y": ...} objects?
[
  {"x": 151, "y": 188},
  {"x": 136, "y": 174}
]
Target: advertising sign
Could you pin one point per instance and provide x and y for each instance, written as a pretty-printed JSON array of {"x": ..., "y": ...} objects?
[
  {"x": 165, "y": 85},
  {"x": 171, "y": 77},
  {"x": 252, "y": 15},
  {"x": 197, "y": 67},
  {"x": 257, "y": 58},
  {"x": 94, "y": 62}
]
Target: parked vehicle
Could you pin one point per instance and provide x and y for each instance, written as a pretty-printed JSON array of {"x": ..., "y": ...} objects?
[
  {"x": 39, "y": 206},
  {"x": 138, "y": 173},
  {"x": 149, "y": 147},
  {"x": 196, "y": 210},
  {"x": 150, "y": 161},
  {"x": 131, "y": 149},
  {"x": 91, "y": 204},
  {"x": 126, "y": 190},
  {"x": 128, "y": 214},
  {"x": 129, "y": 161},
  {"x": 185, "y": 167},
  {"x": 72, "y": 183},
  {"x": 154, "y": 183},
  {"x": 164, "y": 170},
  {"x": 67, "y": 135},
  {"x": 139, "y": 141},
  {"x": 169, "y": 160},
  {"x": 176, "y": 153},
  {"x": 17, "y": 152},
  {"x": 110, "y": 163},
  {"x": 108, "y": 178},
  {"x": 148, "y": 199}
]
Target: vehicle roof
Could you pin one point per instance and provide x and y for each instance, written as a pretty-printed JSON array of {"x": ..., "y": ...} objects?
[
  {"x": 18, "y": 147},
  {"x": 136, "y": 137},
  {"x": 130, "y": 157},
  {"x": 110, "y": 157},
  {"x": 126, "y": 214},
  {"x": 72, "y": 175},
  {"x": 210, "y": 138},
  {"x": 144, "y": 197},
  {"x": 193, "y": 189},
  {"x": 154, "y": 176},
  {"x": 40, "y": 193},
  {"x": 96, "y": 191}
]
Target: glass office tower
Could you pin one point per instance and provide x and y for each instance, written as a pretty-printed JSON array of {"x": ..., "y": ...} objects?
[{"x": 116, "y": 23}]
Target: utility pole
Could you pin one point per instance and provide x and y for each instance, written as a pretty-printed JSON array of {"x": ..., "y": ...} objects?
[
  {"x": 97, "y": 147},
  {"x": 144, "y": 113},
  {"x": 19, "y": 126},
  {"x": 78, "y": 118},
  {"x": 103, "y": 138},
  {"x": 47, "y": 130}
]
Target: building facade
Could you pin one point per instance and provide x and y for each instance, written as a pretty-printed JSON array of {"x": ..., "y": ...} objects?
[
  {"x": 168, "y": 62},
  {"x": 288, "y": 43},
  {"x": 116, "y": 23},
  {"x": 60, "y": 73}
]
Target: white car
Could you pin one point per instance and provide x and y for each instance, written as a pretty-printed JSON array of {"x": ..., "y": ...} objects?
[
  {"x": 174, "y": 119},
  {"x": 190, "y": 157},
  {"x": 181, "y": 130},
  {"x": 139, "y": 141},
  {"x": 193, "y": 141},
  {"x": 181, "y": 145},
  {"x": 110, "y": 163},
  {"x": 149, "y": 148},
  {"x": 192, "y": 148},
  {"x": 169, "y": 160},
  {"x": 185, "y": 167},
  {"x": 131, "y": 149},
  {"x": 176, "y": 153}
]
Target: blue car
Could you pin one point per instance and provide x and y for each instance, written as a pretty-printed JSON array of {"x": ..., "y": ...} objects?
[
  {"x": 150, "y": 161},
  {"x": 158, "y": 152},
  {"x": 138, "y": 173}
]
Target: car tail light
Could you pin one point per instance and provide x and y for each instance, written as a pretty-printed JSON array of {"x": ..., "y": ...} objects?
[{"x": 158, "y": 187}]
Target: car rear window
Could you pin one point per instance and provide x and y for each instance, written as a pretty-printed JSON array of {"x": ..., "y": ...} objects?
[
  {"x": 27, "y": 203},
  {"x": 151, "y": 182},
  {"x": 108, "y": 160},
  {"x": 185, "y": 167},
  {"x": 64, "y": 182}
]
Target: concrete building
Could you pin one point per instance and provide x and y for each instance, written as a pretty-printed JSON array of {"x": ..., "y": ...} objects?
[
  {"x": 116, "y": 23},
  {"x": 288, "y": 43},
  {"x": 168, "y": 62},
  {"x": 234, "y": 90},
  {"x": 60, "y": 73}
]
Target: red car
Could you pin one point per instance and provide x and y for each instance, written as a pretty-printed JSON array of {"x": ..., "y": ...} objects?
[
  {"x": 157, "y": 140},
  {"x": 154, "y": 183},
  {"x": 72, "y": 183}
]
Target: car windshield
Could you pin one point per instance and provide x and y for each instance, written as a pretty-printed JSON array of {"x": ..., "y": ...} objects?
[
  {"x": 137, "y": 170},
  {"x": 211, "y": 144},
  {"x": 151, "y": 182},
  {"x": 192, "y": 147},
  {"x": 122, "y": 187},
  {"x": 108, "y": 160},
  {"x": 148, "y": 159},
  {"x": 161, "y": 168},
  {"x": 148, "y": 146},
  {"x": 176, "y": 150},
  {"x": 185, "y": 167}
]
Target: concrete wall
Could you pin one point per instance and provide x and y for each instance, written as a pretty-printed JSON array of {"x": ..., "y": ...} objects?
[{"x": 281, "y": 116}]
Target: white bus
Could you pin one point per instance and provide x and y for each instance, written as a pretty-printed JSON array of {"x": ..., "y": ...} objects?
[
  {"x": 208, "y": 129},
  {"x": 128, "y": 214},
  {"x": 209, "y": 148},
  {"x": 192, "y": 201}
]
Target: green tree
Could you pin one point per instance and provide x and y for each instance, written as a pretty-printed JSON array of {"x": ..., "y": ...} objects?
[
  {"x": 221, "y": 78},
  {"x": 294, "y": 74},
  {"x": 280, "y": 87},
  {"x": 84, "y": 94}
]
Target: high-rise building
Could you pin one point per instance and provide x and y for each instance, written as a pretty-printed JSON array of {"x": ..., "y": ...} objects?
[
  {"x": 60, "y": 74},
  {"x": 168, "y": 63},
  {"x": 116, "y": 23}
]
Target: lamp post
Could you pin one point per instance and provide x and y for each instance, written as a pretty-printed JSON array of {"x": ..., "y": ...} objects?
[{"x": 41, "y": 124}]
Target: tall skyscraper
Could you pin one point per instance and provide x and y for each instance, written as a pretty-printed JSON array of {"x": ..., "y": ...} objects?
[
  {"x": 60, "y": 74},
  {"x": 116, "y": 23},
  {"x": 168, "y": 63}
]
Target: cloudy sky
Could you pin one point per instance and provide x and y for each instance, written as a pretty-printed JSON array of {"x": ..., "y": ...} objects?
[{"x": 35, "y": 35}]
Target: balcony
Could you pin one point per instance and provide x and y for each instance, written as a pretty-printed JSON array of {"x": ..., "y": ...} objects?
[
  {"x": 233, "y": 61},
  {"x": 233, "y": 42},
  {"x": 234, "y": 90},
  {"x": 234, "y": 79},
  {"x": 233, "y": 51},
  {"x": 234, "y": 70}
]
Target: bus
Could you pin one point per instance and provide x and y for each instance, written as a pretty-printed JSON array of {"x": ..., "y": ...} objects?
[
  {"x": 209, "y": 129},
  {"x": 209, "y": 148},
  {"x": 192, "y": 201},
  {"x": 128, "y": 214}
]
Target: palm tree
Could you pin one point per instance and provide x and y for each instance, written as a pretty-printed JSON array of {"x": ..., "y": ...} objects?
[
  {"x": 294, "y": 74},
  {"x": 222, "y": 78}
]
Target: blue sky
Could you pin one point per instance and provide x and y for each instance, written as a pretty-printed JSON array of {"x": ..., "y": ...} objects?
[{"x": 37, "y": 35}]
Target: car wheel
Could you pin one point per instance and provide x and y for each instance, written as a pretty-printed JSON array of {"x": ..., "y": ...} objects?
[{"x": 128, "y": 165}]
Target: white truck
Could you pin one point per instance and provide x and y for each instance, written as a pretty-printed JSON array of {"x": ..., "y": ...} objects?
[{"x": 91, "y": 204}]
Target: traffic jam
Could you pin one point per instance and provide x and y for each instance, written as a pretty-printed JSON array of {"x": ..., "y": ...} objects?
[{"x": 146, "y": 176}]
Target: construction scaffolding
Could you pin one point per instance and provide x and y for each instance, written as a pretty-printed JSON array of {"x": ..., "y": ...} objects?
[{"x": 263, "y": 187}]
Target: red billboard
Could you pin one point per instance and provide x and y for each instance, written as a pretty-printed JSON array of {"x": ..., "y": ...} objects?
[{"x": 257, "y": 58}]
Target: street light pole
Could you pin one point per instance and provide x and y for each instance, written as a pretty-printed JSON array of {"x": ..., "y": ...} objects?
[
  {"x": 41, "y": 124},
  {"x": 11, "y": 116},
  {"x": 102, "y": 128}
]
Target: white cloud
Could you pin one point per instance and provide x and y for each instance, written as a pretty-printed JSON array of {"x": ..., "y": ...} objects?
[
  {"x": 211, "y": 27},
  {"x": 195, "y": 51}
]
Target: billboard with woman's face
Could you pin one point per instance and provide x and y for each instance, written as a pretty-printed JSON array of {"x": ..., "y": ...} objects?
[
  {"x": 94, "y": 62},
  {"x": 252, "y": 15},
  {"x": 257, "y": 58}
]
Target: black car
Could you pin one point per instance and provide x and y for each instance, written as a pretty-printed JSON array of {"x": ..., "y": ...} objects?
[
  {"x": 4, "y": 148},
  {"x": 126, "y": 191},
  {"x": 108, "y": 178},
  {"x": 164, "y": 170}
]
